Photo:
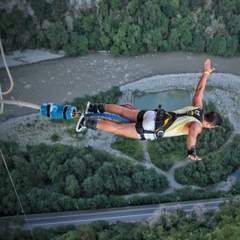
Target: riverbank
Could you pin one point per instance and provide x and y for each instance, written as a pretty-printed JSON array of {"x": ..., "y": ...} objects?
[
  {"x": 63, "y": 79},
  {"x": 66, "y": 78}
]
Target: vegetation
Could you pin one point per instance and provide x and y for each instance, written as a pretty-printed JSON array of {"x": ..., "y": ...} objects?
[
  {"x": 213, "y": 169},
  {"x": 61, "y": 178},
  {"x": 199, "y": 224},
  {"x": 110, "y": 96},
  {"x": 164, "y": 152},
  {"x": 130, "y": 147},
  {"x": 126, "y": 27}
]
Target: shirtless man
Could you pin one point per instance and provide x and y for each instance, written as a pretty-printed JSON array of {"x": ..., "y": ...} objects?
[{"x": 145, "y": 124}]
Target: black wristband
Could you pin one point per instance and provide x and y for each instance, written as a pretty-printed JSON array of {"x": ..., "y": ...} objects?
[{"x": 192, "y": 151}]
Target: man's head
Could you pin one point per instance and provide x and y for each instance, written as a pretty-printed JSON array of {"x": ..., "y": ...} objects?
[{"x": 212, "y": 119}]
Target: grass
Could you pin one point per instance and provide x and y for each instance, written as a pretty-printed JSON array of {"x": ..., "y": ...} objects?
[{"x": 130, "y": 147}]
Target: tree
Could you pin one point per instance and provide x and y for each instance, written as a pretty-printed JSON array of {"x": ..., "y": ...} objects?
[
  {"x": 42, "y": 9},
  {"x": 84, "y": 232},
  {"x": 233, "y": 25},
  {"x": 83, "y": 45},
  {"x": 59, "y": 9},
  {"x": 231, "y": 46},
  {"x": 105, "y": 41},
  {"x": 70, "y": 235},
  {"x": 226, "y": 7},
  {"x": 57, "y": 35},
  {"x": 153, "y": 40},
  {"x": 174, "y": 39},
  {"x": 72, "y": 186},
  {"x": 100, "y": 201},
  {"x": 93, "y": 185},
  {"x": 217, "y": 45},
  {"x": 198, "y": 43}
]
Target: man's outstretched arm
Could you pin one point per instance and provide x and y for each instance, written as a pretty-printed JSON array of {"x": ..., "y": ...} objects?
[
  {"x": 198, "y": 97},
  {"x": 194, "y": 129}
]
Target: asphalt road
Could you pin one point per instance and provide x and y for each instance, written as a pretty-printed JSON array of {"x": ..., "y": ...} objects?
[{"x": 127, "y": 214}]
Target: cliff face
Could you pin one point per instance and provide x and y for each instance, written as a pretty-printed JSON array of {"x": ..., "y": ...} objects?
[{"x": 24, "y": 5}]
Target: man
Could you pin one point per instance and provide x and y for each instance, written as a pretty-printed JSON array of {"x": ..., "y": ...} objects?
[{"x": 151, "y": 124}]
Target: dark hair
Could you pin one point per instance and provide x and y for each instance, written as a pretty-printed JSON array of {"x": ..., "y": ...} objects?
[{"x": 214, "y": 118}]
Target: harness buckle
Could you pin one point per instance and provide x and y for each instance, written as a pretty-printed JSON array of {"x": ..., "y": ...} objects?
[
  {"x": 159, "y": 133},
  {"x": 159, "y": 122}
]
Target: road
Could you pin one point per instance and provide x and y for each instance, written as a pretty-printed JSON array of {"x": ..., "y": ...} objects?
[{"x": 126, "y": 214}]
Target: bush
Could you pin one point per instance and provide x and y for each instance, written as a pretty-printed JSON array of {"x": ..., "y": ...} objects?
[{"x": 130, "y": 147}]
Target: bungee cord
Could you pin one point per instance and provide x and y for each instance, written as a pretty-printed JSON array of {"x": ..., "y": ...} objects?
[
  {"x": 13, "y": 102},
  {"x": 7, "y": 69},
  {"x": 21, "y": 103}
]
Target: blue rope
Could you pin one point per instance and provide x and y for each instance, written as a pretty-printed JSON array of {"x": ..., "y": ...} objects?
[{"x": 108, "y": 116}]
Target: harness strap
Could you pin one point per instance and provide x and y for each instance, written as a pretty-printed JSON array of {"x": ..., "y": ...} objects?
[
  {"x": 197, "y": 113},
  {"x": 165, "y": 119},
  {"x": 141, "y": 131},
  {"x": 159, "y": 123}
]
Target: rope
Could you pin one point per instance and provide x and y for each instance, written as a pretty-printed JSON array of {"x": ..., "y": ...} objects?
[
  {"x": 7, "y": 69},
  {"x": 1, "y": 105},
  {"x": 21, "y": 103},
  {"x": 15, "y": 190}
]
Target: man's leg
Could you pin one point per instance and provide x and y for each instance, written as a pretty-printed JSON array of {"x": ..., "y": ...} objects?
[
  {"x": 126, "y": 130},
  {"x": 113, "y": 108},
  {"x": 122, "y": 111}
]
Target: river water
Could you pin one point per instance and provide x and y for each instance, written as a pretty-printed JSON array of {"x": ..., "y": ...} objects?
[{"x": 64, "y": 79}]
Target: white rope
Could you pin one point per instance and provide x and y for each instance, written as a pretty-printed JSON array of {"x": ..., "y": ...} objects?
[
  {"x": 7, "y": 69},
  {"x": 21, "y": 103},
  {"x": 1, "y": 105}
]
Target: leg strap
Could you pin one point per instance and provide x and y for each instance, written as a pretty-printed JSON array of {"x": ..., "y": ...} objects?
[
  {"x": 140, "y": 115},
  {"x": 140, "y": 131},
  {"x": 98, "y": 108},
  {"x": 91, "y": 123}
]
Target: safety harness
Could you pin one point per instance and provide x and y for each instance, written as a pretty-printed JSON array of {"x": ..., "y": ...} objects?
[{"x": 165, "y": 119}]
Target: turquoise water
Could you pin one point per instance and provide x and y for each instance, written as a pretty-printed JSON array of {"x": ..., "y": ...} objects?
[{"x": 169, "y": 99}]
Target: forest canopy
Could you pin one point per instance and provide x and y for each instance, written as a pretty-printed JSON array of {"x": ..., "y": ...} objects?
[{"x": 125, "y": 27}]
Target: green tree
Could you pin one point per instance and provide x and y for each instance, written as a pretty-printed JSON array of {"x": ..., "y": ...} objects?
[
  {"x": 59, "y": 8},
  {"x": 84, "y": 232},
  {"x": 42, "y": 9},
  {"x": 57, "y": 35},
  {"x": 72, "y": 186},
  {"x": 70, "y": 235},
  {"x": 93, "y": 185},
  {"x": 174, "y": 39},
  {"x": 231, "y": 46},
  {"x": 78, "y": 45},
  {"x": 217, "y": 45}
]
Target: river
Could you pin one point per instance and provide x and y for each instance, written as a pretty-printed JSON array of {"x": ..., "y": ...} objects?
[{"x": 64, "y": 79}]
